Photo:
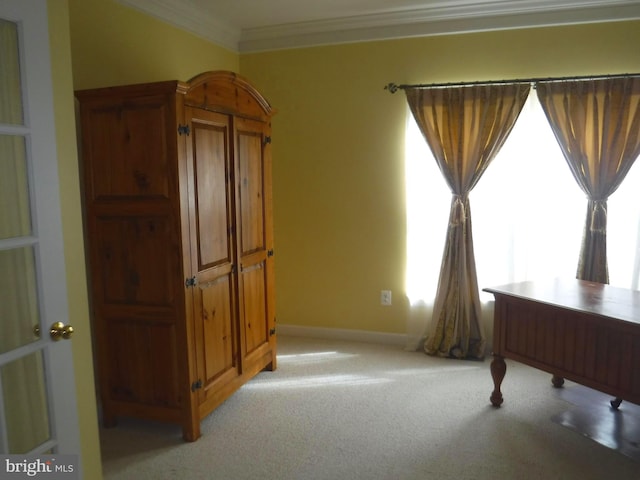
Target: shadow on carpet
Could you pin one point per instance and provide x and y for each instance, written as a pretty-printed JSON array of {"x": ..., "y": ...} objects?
[{"x": 592, "y": 415}]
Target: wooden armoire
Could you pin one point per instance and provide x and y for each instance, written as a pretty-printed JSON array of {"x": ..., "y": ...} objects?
[{"x": 179, "y": 233}]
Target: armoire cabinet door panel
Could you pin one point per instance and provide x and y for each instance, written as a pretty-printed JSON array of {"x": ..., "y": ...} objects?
[
  {"x": 218, "y": 329},
  {"x": 210, "y": 137},
  {"x": 126, "y": 148},
  {"x": 215, "y": 311},
  {"x": 253, "y": 236},
  {"x": 137, "y": 260},
  {"x": 256, "y": 325},
  {"x": 143, "y": 362},
  {"x": 250, "y": 186}
]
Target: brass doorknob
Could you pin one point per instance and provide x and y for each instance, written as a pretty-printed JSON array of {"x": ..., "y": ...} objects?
[{"x": 60, "y": 330}]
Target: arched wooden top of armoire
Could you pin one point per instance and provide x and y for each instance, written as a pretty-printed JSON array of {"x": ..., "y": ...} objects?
[{"x": 228, "y": 92}]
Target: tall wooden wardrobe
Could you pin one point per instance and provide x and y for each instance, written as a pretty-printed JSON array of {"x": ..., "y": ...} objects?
[{"x": 178, "y": 220}]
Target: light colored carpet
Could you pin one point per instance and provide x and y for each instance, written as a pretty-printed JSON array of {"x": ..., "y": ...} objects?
[{"x": 346, "y": 410}]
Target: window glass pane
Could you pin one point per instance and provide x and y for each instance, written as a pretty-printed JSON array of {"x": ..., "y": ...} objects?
[
  {"x": 25, "y": 403},
  {"x": 15, "y": 215},
  {"x": 18, "y": 298},
  {"x": 623, "y": 231},
  {"x": 10, "y": 89},
  {"x": 528, "y": 211}
]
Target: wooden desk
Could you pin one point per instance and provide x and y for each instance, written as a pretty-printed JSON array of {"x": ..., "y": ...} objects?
[{"x": 586, "y": 332}]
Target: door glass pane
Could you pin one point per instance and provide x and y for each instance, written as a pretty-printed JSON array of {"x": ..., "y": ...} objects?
[
  {"x": 14, "y": 188},
  {"x": 19, "y": 311},
  {"x": 25, "y": 403},
  {"x": 10, "y": 89}
]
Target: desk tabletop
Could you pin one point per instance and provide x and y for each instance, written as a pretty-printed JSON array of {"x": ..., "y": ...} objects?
[{"x": 589, "y": 297}]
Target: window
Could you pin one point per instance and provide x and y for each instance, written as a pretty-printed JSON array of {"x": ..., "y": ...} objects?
[{"x": 527, "y": 213}]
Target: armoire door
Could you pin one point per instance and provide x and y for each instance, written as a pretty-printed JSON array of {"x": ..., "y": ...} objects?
[
  {"x": 254, "y": 239},
  {"x": 212, "y": 251}
]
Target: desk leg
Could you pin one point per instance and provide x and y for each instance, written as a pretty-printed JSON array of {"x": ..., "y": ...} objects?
[{"x": 498, "y": 371}]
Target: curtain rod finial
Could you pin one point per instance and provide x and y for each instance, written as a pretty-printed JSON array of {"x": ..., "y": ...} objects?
[{"x": 392, "y": 87}]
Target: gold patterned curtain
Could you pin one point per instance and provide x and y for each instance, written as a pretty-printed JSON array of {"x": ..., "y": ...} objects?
[
  {"x": 597, "y": 124},
  {"x": 465, "y": 127}
]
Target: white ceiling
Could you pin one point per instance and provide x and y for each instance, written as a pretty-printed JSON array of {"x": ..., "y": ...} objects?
[{"x": 257, "y": 25}]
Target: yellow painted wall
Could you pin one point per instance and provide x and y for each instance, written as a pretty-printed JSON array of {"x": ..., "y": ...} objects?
[
  {"x": 338, "y": 153},
  {"x": 112, "y": 44},
  {"x": 72, "y": 235}
]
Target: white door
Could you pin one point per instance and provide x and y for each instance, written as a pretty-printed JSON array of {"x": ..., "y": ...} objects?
[{"x": 37, "y": 390}]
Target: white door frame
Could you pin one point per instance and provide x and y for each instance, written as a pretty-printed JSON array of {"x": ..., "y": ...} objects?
[{"x": 39, "y": 130}]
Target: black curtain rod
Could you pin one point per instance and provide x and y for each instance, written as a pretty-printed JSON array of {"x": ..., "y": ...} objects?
[{"x": 393, "y": 88}]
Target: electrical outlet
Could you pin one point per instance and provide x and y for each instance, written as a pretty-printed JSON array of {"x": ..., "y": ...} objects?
[{"x": 385, "y": 297}]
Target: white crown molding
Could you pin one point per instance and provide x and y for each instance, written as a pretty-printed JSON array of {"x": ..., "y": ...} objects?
[
  {"x": 183, "y": 15},
  {"x": 439, "y": 19},
  {"x": 432, "y": 21}
]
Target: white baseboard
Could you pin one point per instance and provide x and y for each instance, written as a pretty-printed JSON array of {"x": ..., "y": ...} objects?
[{"x": 343, "y": 334}]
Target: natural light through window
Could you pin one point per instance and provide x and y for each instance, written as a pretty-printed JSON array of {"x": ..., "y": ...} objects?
[
  {"x": 312, "y": 357},
  {"x": 316, "y": 381},
  {"x": 527, "y": 210}
]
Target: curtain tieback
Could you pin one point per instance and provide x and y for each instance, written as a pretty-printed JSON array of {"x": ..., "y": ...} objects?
[
  {"x": 458, "y": 210},
  {"x": 599, "y": 216}
]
